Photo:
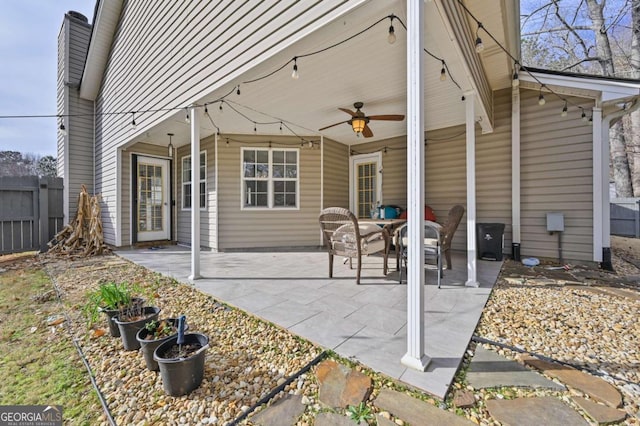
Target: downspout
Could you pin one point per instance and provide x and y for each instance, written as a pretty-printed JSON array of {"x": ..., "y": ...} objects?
[
  {"x": 515, "y": 174},
  {"x": 215, "y": 188}
]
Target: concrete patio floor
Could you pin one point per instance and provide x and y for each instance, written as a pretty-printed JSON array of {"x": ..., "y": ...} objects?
[{"x": 365, "y": 322}]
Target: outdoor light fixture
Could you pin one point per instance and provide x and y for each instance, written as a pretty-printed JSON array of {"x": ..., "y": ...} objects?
[
  {"x": 443, "y": 72},
  {"x": 479, "y": 44},
  {"x": 564, "y": 110},
  {"x": 358, "y": 124},
  {"x": 170, "y": 147},
  {"x": 294, "y": 73}
]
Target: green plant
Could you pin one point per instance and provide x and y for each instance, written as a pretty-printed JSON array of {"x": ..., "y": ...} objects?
[
  {"x": 108, "y": 296},
  {"x": 360, "y": 413},
  {"x": 159, "y": 329}
]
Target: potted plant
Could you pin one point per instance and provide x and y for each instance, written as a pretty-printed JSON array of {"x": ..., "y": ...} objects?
[
  {"x": 131, "y": 320},
  {"x": 153, "y": 334},
  {"x": 111, "y": 298},
  {"x": 181, "y": 361}
]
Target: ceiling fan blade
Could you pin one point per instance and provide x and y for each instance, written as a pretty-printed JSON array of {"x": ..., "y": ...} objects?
[
  {"x": 388, "y": 117},
  {"x": 348, "y": 111},
  {"x": 366, "y": 132},
  {"x": 335, "y": 124}
]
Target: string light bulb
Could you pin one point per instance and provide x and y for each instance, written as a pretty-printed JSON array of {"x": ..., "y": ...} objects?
[
  {"x": 281, "y": 127},
  {"x": 187, "y": 119},
  {"x": 443, "y": 72},
  {"x": 564, "y": 110},
  {"x": 541, "y": 99},
  {"x": 479, "y": 44},
  {"x": 591, "y": 120},
  {"x": 294, "y": 73},
  {"x": 220, "y": 107},
  {"x": 391, "y": 37},
  {"x": 133, "y": 121},
  {"x": 515, "y": 81},
  {"x": 238, "y": 91},
  {"x": 206, "y": 111},
  {"x": 63, "y": 130},
  {"x": 583, "y": 116}
]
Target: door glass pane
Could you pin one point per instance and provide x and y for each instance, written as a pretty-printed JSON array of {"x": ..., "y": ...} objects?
[
  {"x": 150, "y": 202},
  {"x": 366, "y": 187}
]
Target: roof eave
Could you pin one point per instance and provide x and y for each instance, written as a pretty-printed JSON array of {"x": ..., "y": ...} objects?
[{"x": 105, "y": 22}]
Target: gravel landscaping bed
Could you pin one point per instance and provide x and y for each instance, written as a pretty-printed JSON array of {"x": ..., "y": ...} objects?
[
  {"x": 593, "y": 324},
  {"x": 248, "y": 357}
]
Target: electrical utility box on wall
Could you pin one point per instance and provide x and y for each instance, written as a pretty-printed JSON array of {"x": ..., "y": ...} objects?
[{"x": 555, "y": 222}]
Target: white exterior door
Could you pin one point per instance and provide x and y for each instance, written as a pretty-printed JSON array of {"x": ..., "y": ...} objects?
[
  {"x": 152, "y": 215},
  {"x": 365, "y": 189}
]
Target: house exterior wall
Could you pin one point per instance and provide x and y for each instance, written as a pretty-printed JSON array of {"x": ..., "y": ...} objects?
[
  {"x": 556, "y": 176},
  {"x": 154, "y": 64},
  {"x": 336, "y": 175},
  {"x": 267, "y": 227},
  {"x": 75, "y": 149},
  {"x": 208, "y": 216}
]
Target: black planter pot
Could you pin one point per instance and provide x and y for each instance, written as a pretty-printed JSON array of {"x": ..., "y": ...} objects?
[
  {"x": 111, "y": 313},
  {"x": 129, "y": 329},
  {"x": 149, "y": 346},
  {"x": 180, "y": 376}
]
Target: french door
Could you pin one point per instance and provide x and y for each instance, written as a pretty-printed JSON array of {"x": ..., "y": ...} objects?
[
  {"x": 365, "y": 189},
  {"x": 153, "y": 201}
]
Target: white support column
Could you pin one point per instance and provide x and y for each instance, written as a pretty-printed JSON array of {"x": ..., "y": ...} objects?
[
  {"x": 216, "y": 242},
  {"x": 472, "y": 279},
  {"x": 601, "y": 214},
  {"x": 415, "y": 357},
  {"x": 515, "y": 166},
  {"x": 195, "y": 193}
]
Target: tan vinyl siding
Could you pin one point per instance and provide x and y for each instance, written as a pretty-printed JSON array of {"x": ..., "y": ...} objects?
[
  {"x": 154, "y": 64},
  {"x": 267, "y": 228},
  {"x": 336, "y": 174},
  {"x": 76, "y": 149},
  {"x": 127, "y": 191},
  {"x": 557, "y": 176},
  {"x": 445, "y": 171},
  {"x": 208, "y": 231}
]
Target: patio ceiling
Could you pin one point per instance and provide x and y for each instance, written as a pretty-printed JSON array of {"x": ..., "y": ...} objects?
[{"x": 366, "y": 68}]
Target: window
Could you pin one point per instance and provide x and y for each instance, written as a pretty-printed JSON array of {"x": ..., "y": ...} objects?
[
  {"x": 269, "y": 178},
  {"x": 186, "y": 181}
]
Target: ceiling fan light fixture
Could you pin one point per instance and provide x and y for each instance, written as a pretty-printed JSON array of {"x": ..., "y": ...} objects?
[{"x": 358, "y": 124}]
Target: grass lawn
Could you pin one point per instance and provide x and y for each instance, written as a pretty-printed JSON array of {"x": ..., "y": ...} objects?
[{"x": 38, "y": 362}]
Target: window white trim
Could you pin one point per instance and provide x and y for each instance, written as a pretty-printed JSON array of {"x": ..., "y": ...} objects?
[
  {"x": 270, "y": 179},
  {"x": 184, "y": 183}
]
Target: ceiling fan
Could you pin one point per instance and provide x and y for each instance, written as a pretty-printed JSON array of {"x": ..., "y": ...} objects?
[{"x": 359, "y": 121}]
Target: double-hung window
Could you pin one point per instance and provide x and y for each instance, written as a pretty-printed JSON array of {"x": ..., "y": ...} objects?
[
  {"x": 186, "y": 181},
  {"x": 270, "y": 178}
]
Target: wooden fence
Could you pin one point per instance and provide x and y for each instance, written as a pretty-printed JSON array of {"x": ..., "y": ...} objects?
[
  {"x": 625, "y": 217},
  {"x": 31, "y": 212}
]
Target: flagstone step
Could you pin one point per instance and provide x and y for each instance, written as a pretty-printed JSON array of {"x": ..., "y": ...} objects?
[
  {"x": 534, "y": 411},
  {"x": 414, "y": 411},
  {"x": 284, "y": 412},
  {"x": 341, "y": 386},
  {"x": 603, "y": 414}
]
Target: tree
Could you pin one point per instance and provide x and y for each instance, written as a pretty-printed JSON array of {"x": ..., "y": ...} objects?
[
  {"x": 594, "y": 37},
  {"x": 14, "y": 163},
  {"x": 47, "y": 166}
]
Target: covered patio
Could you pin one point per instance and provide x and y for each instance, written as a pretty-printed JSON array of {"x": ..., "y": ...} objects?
[{"x": 366, "y": 322}]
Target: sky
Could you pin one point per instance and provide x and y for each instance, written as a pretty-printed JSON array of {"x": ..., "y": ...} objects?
[{"x": 28, "y": 56}]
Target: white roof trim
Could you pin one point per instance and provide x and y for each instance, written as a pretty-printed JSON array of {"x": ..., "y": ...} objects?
[
  {"x": 610, "y": 90},
  {"x": 104, "y": 27}
]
